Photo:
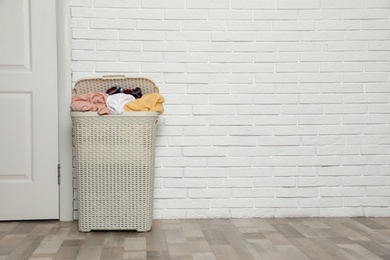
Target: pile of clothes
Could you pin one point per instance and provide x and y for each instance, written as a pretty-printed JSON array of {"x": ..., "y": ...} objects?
[{"x": 116, "y": 100}]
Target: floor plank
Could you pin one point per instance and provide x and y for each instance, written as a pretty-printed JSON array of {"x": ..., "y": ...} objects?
[{"x": 208, "y": 239}]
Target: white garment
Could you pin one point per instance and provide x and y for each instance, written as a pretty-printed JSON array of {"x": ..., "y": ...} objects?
[{"x": 116, "y": 103}]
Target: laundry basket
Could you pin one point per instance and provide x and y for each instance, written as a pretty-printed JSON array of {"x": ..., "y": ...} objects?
[{"x": 114, "y": 161}]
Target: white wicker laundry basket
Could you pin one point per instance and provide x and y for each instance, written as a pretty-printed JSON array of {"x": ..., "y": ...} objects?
[{"x": 114, "y": 162}]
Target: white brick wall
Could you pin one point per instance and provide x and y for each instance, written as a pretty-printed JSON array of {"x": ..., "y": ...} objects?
[{"x": 274, "y": 108}]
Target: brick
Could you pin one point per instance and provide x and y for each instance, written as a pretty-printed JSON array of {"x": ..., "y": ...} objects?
[
  {"x": 186, "y": 121},
  {"x": 140, "y": 14},
  {"x": 364, "y": 160},
  {"x": 257, "y": 110},
  {"x": 140, "y": 56},
  {"x": 184, "y": 15},
  {"x": 170, "y": 194},
  {"x": 378, "y": 4},
  {"x": 318, "y": 181},
  {"x": 177, "y": 110},
  {"x": 276, "y": 120},
  {"x": 196, "y": 25},
  {"x": 208, "y": 89},
  {"x": 320, "y": 15},
  {"x": 276, "y": 99},
  {"x": 112, "y": 24},
  {"x": 338, "y": 25},
  {"x": 368, "y": 140},
  {"x": 276, "y": 203},
  {"x": 230, "y": 78},
  {"x": 295, "y": 130},
  {"x": 296, "y": 68},
  {"x": 253, "y": 47},
  {"x": 229, "y": 162},
  {"x": 340, "y": 171},
  {"x": 141, "y": 35},
  {"x": 320, "y": 99},
  {"x": 274, "y": 182},
  {"x": 184, "y": 162},
  {"x": 364, "y": 119},
  {"x": 230, "y": 183},
  {"x": 83, "y": 44},
  {"x": 229, "y": 15},
  {"x": 298, "y": 4},
  {"x": 340, "y": 130},
  {"x": 256, "y": 131},
  {"x": 295, "y": 171},
  {"x": 234, "y": 140},
  {"x": 321, "y": 78},
  {"x": 318, "y": 161},
  {"x": 375, "y": 149},
  {"x": 293, "y": 26},
  {"x": 168, "y": 4},
  {"x": 302, "y": 110},
  {"x": 231, "y": 57},
  {"x": 186, "y": 78},
  {"x": 83, "y": 66},
  {"x": 230, "y": 100},
  {"x": 323, "y": 140},
  {"x": 87, "y": 3},
  {"x": 209, "y": 193},
  {"x": 94, "y": 34},
  {"x": 343, "y": 67},
  {"x": 210, "y": 47},
  {"x": 366, "y": 77},
  {"x": 366, "y": 35},
  {"x": 206, "y": 213},
  {"x": 232, "y": 36},
  {"x": 188, "y": 204},
  {"x": 249, "y": 26},
  {"x": 364, "y": 56},
  {"x": 366, "y": 202},
  {"x": 214, "y": 110},
  {"x": 341, "y": 212},
  {"x": 364, "y": 181},
  {"x": 204, "y": 130},
  {"x": 116, "y": 3},
  {"x": 277, "y": 37},
  {"x": 232, "y": 203},
  {"x": 292, "y": 151},
  {"x": 205, "y": 173},
  {"x": 269, "y": 15},
  {"x": 92, "y": 12},
  {"x": 168, "y": 152},
  {"x": 251, "y": 172},
  {"x": 80, "y": 23},
  {"x": 252, "y": 193},
  {"x": 189, "y": 141},
  {"x": 376, "y": 129},
  {"x": 185, "y": 57},
  {"x": 117, "y": 67},
  {"x": 379, "y": 46},
  {"x": 342, "y": 192},
  {"x": 365, "y": 14},
  {"x": 279, "y": 140},
  {"x": 369, "y": 99},
  {"x": 320, "y": 36},
  {"x": 208, "y": 68},
  {"x": 321, "y": 202},
  {"x": 347, "y": 4},
  {"x": 276, "y": 78},
  {"x": 376, "y": 170},
  {"x": 188, "y": 36},
  {"x": 274, "y": 161},
  {"x": 252, "y": 4},
  {"x": 319, "y": 120},
  {"x": 94, "y": 56},
  {"x": 252, "y": 68},
  {"x": 118, "y": 45},
  {"x": 163, "y": 68},
  {"x": 248, "y": 151},
  {"x": 320, "y": 57},
  {"x": 231, "y": 121},
  {"x": 378, "y": 192},
  {"x": 276, "y": 57},
  {"x": 297, "y": 192},
  {"x": 184, "y": 183}
]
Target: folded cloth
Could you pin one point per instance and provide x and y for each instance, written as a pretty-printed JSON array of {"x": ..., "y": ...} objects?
[
  {"x": 148, "y": 102},
  {"x": 91, "y": 101},
  {"x": 116, "y": 103}
]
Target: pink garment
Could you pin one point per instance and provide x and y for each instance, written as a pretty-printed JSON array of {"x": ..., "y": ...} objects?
[{"x": 92, "y": 101}]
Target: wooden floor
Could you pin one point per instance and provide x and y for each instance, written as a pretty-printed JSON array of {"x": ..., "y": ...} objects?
[{"x": 298, "y": 238}]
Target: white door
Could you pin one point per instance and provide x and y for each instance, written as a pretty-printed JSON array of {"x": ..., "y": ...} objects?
[{"x": 28, "y": 110}]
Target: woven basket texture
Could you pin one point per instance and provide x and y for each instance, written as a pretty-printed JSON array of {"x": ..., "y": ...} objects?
[
  {"x": 114, "y": 163},
  {"x": 102, "y": 84}
]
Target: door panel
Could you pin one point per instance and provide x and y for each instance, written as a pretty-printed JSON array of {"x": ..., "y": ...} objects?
[{"x": 28, "y": 110}]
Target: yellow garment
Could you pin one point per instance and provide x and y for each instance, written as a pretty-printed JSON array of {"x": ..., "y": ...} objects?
[{"x": 148, "y": 102}]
